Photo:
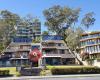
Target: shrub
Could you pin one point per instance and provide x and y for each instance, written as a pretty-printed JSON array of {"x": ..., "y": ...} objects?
[
  {"x": 4, "y": 73},
  {"x": 18, "y": 74},
  {"x": 75, "y": 70},
  {"x": 43, "y": 73}
]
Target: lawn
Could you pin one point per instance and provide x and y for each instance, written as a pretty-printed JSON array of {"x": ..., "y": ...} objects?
[{"x": 11, "y": 69}]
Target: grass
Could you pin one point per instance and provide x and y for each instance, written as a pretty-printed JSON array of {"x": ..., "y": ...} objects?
[{"x": 11, "y": 69}]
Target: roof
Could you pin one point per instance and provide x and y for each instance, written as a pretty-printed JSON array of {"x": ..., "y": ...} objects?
[{"x": 90, "y": 33}]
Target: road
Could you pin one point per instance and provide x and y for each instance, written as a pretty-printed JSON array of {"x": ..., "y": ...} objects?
[
  {"x": 66, "y": 77},
  {"x": 74, "y": 78}
]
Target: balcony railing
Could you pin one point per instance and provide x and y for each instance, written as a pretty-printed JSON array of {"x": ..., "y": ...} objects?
[
  {"x": 22, "y": 40},
  {"x": 59, "y": 55},
  {"x": 20, "y": 56},
  {"x": 24, "y": 49},
  {"x": 48, "y": 45}
]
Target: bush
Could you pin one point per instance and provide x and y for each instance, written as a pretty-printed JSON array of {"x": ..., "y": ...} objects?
[
  {"x": 75, "y": 70},
  {"x": 4, "y": 73},
  {"x": 18, "y": 74}
]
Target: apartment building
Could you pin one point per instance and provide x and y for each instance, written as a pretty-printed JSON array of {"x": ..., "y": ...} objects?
[
  {"x": 55, "y": 51},
  {"x": 16, "y": 54},
  {"x": 90, "y": 45}
]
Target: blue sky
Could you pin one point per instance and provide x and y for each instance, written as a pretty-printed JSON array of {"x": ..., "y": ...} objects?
[{"x": 36, "y": 7}]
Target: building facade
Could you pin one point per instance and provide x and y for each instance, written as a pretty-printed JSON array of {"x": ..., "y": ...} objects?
[
  {"x": 16, "y": 54},
  {"x": 55, "y": 51},
  {"x": 90, "y": 45}
]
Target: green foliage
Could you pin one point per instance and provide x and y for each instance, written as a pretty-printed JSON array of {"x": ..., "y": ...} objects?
[
  {"x": 37, "y": 40},
  {"x": 4, "y": 73},
  {"x": 45, "y": 33},
  {"x": 64, "y": 21},
  {"x": 88, "y": 19},
  {"x": 75, "y": 70},
  {"x": 12, "y": 70},
  {"x": 18, "y": 74},
  {"x": 7, "y": 22},
  {"x": 58, "y": 17},
  {"x": 73, "y": 37},
  {"x": 9, "y": 18},
  {"x": 1, "y": 47},
  {"x": 45, "y": 72}
]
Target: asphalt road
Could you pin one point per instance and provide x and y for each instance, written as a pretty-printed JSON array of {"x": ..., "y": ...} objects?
[
  {"x": 58, "y": 77},
  {"x": 75, "y": 78}
]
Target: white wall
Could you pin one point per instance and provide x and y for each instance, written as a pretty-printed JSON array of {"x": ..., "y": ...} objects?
[{"x": 97, "y": 63}]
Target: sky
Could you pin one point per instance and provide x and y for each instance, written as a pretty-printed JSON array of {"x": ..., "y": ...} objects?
[{"x": 36, "y": 7}]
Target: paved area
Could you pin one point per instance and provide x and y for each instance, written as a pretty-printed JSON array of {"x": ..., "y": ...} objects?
[{"x": 60, "y": 77}]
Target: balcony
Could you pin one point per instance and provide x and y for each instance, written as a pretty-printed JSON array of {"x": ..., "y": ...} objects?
[
  {"x": 5, "y": 56},
  {"x": 17, "y": 56},
  {"x": 54, "y": 46},
  {"x": 10, "y": 50},
  {"x": 58, "y": 55},
  {"x": 18, "y": 39},
  {"x": 52, "y": 37},
  {"x": 24, "y": 49},
  {"x": 49, "y": 47},
  {"x": 89, "y": 37}
]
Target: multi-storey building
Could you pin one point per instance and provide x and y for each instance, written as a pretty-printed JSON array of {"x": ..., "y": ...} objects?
[
  {"x": 55, "y": 52},
  {"x": 16, "y": 54},
  {"x": 90, "y": 45}
]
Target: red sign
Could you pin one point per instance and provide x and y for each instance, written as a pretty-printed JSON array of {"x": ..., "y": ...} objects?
[{"x": 35, "y": 55}]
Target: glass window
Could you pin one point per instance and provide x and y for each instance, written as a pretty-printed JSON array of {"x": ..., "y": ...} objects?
[
  {"x": 62, "y": 51},
  {"x": 59, "y": 44}
]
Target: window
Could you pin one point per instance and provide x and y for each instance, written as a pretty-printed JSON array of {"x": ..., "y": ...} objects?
[
  {"x": 51, "y": 44},
  {"x": 59, "y": 44},
  {"x": 47, "y": 51},
  {"x": 62, "y": 51}
]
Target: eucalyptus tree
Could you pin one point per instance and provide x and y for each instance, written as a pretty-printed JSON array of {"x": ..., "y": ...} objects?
[
  {"x": 7, "y": 22},
  {"x": 45, "y": 33},
  {"x": 64, "y": 20}
]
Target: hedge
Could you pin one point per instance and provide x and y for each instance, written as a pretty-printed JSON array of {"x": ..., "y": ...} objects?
[
  {"x": 75, "y": 70},
  {"x": 4, "y": 73}
]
